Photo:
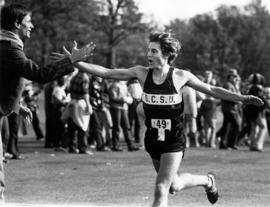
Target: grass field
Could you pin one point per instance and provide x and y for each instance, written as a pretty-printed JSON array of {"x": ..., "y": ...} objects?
[
  {"x": 127, "y": 178},
  {"x": 51, "y": 178}
]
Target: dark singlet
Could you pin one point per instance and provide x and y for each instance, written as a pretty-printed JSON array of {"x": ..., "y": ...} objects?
[{"x": 163, "y": 108}]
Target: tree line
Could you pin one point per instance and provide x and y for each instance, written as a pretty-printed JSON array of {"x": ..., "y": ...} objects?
[{"x": 230, "y": 36}]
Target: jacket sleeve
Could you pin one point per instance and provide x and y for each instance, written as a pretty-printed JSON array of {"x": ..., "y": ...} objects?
[{"x": 20, "y": 65}]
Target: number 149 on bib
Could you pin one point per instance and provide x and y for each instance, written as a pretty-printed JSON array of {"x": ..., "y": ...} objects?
[{"x": 161, "y": 125}]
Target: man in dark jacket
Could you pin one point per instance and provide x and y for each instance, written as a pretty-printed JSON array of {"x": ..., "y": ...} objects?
[
  {"x": 231, "y": 122},
  {"x": 16, "y": 26}
]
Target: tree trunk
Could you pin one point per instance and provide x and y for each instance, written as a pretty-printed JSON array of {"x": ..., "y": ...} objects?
[{"x": 111, "y": 60}]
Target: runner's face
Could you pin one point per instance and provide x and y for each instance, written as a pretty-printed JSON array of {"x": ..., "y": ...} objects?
[
  {"x": 25, "y": 27},
  {"x": 155, "y": 57}
]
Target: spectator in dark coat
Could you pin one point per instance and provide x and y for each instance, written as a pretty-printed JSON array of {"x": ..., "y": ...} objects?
[
  {"x": 16, "y": 26},
  {"x": 231, "y": 122},
  {"x": 256, "y": 115}
]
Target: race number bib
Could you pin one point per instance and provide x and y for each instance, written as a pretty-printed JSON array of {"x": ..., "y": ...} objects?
[{"x": 161, "y": 125}]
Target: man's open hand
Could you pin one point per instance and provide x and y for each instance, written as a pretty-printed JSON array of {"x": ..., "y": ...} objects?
[
  {"x": 75, "y": 55},
  {"x": 55, "y": 57}
]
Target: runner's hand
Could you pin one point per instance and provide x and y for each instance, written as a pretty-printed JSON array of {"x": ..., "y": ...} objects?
[
  {"x": 77, "y": 55},
  {"x": 253, "y": 100}
]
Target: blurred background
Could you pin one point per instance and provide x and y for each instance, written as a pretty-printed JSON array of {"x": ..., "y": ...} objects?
[{"x": 216, "y": 35}]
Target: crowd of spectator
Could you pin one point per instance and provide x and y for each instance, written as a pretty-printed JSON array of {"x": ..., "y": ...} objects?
[
  {"x": 241, "y": 125},
  {"x": 85, "y": 113}
]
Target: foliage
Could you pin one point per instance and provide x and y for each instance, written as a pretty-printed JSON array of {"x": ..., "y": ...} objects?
[
  {"x": 57, "y": 22},
  {"x": 230, "y": 38},
  {"x": 117, "y": 20}
]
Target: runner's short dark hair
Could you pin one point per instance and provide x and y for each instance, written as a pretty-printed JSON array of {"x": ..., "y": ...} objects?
[{"x": 169, "y": 45}]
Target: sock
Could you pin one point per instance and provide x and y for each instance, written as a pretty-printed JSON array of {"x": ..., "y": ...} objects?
[{"x": 210, "y": 182}]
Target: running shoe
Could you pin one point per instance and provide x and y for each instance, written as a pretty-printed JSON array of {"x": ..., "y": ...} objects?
[{"x": 211, "y": 191}]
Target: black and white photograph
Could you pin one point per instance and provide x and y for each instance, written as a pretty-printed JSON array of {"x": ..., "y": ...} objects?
[{"x": 134, "y": 103}]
